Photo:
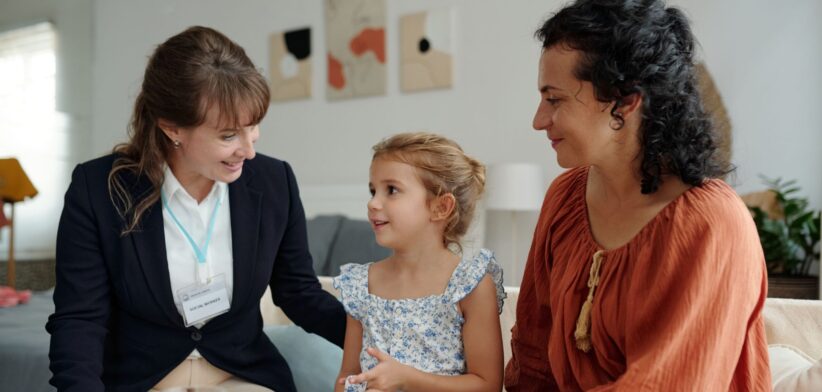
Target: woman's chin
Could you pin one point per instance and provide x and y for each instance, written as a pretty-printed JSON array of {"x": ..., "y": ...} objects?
[{"x": 229, "y": 177}]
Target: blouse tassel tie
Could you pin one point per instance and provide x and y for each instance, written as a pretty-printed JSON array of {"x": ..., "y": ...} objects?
[{"x": 582, "y": 335}]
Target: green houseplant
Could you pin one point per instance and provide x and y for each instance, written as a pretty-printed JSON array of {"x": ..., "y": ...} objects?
[{"x": 789, "y": 234}]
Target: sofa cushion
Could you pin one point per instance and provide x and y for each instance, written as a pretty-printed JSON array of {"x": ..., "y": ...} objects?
[
  {"x": 793, "y": 370},
  {"x": 322, "y": 230},
  {"x": 354, "y": 243},
  {"x": 794, "y": 322},
  {"x": 314, "y": 362}
]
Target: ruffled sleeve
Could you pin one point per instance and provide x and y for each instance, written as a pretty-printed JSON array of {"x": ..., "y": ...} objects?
[
  {"x": 470, "y": 273},
  {"x": 353, "y": 286}
]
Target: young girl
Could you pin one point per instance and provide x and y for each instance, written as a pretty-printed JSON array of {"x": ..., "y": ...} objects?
[{"x": 423, "y": 319}]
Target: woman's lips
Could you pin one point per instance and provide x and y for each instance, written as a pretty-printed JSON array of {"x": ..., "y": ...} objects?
[{"x": 234, "y": 166}]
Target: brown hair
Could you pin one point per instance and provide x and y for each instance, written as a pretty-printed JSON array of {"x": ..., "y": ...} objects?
[
  {"x": 444, "y": 169},
  {"x": 185, "y": 76}
]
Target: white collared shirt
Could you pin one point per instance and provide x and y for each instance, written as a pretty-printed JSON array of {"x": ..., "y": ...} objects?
[{"x": 182, "y": 261}]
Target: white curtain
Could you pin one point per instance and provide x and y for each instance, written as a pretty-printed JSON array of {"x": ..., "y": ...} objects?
[{"x": 32, "y": 131}]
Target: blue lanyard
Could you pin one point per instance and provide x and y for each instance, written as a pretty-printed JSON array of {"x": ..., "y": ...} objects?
[{"x": 199, "y": 252}]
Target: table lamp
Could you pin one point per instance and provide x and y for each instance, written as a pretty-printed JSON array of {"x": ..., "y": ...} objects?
[
  {"x": 14, "y": 188},
  {"x": 514, "y": 187}
]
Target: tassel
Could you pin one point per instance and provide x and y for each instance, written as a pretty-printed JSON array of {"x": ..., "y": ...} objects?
[{"x": 582, "y": 335}]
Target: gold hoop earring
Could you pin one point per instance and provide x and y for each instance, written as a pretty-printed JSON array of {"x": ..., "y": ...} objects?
[{"x": 617, "y": 122}]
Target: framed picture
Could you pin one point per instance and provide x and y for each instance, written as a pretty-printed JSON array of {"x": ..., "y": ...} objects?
[
  {"x": 426, "y": 53},
  {"x": 290, "y": 65},
  {"x": 355, "y": 36}
]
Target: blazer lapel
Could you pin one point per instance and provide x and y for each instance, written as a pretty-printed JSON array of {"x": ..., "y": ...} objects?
[
  {"x": 150, "y": 243},
  {"x": 246, "y": 205}
]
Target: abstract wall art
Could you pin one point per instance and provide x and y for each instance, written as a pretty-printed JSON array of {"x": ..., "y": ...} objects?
[
  {"x": 290, "y": 64},
  {"x": 355, "y": 37},
  {"x": 426, "y": 52}
]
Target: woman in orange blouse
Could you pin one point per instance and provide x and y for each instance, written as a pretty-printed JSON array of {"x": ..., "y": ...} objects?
[{"x": 645, "y": 272}]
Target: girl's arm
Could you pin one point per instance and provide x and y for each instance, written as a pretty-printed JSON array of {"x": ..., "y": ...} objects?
[
  {"x": 483, "y": 353},
  {"x": 351, "y": 353}
]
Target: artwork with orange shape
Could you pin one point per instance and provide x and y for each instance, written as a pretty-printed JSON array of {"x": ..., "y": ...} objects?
[{"x": 355, "y": 37}]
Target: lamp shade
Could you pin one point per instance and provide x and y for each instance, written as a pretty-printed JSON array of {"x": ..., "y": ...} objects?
[
  {"x": 515, "y": 187},
  {"x": 14, "y": 184}
]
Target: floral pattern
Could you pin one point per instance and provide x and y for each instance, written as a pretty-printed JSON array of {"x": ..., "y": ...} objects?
[{"x": 425, "y": 332}]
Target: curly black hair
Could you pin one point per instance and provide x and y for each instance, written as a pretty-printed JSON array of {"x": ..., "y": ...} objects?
[{"x": 642, "y": 46}]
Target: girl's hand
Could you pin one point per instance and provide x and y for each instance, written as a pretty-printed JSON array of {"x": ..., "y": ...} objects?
[{"x": 388, "y": 375}]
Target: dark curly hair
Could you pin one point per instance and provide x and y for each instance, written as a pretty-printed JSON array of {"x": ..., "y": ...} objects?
[{"x": 642, "y": 46}]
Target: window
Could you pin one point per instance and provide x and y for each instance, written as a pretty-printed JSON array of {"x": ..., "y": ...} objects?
[{"x": 32, "y": 131}]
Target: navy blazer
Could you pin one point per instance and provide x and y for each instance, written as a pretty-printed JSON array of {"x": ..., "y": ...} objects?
[{"x": 115, "y": 326}]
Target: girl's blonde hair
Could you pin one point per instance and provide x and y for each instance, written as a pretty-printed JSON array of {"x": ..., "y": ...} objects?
[{"x": 443, "y": 168}]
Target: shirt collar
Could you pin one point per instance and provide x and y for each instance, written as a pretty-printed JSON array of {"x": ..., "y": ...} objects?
[{"x": 171, "y": 186}]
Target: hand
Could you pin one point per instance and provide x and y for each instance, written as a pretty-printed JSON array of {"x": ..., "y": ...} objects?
[{"x": 388, "y": 375}]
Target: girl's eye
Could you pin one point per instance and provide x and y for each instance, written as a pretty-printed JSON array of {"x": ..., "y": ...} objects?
[
  {"x": 371, "y": 191},
  {"x": 392, "y": 190}
]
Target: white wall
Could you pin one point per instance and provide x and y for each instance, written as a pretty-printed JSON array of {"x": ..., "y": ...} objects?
[
  {"x": 764, "y": 58},
  {"x": 330, "y": 142}
]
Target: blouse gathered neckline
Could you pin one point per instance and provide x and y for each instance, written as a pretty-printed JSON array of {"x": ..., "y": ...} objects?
[
  {"x": 581, "y": 202},
  {"x": 444, "y": 292}
]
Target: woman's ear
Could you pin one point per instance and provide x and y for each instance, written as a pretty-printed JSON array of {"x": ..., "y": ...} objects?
[
  {"x": 170, "y": 129},
  {"x": 442, "y": 207},
  {"x": 629, "y": 104}
]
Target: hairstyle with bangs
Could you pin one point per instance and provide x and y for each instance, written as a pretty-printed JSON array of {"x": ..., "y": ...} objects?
[
  {"x": 185, "y": 77},
  {"x": 444, "y": 168}
]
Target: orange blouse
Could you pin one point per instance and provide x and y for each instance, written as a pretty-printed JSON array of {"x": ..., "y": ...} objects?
[{"x": 677, "y": 308}]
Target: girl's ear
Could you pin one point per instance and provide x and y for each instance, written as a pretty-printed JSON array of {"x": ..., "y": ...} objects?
[{"x": 442, "y": 207}]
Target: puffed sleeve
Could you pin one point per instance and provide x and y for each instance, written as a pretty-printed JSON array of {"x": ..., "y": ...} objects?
[
  {"x": 469, "y": 276},
  {"x": 353, "y": 286}
]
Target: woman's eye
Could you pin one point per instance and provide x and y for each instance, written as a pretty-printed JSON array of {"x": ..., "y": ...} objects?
[{"x": 229, "y": 136}]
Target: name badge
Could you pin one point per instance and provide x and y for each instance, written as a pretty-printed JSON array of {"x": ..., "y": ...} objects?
[{"x": 202, "y": 302}]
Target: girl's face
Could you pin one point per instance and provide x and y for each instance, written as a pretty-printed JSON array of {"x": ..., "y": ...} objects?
[
  {"x": 399, "y": 209},
  {"x": 213, "y": 151},
  {"x": 576, "y": 123}
]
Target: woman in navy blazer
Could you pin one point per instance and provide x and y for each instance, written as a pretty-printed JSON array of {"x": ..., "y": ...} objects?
[{"x": 115, "y": 326}]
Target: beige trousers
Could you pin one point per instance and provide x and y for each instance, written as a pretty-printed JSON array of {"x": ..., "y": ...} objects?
[{"x": 197, "y": 372}]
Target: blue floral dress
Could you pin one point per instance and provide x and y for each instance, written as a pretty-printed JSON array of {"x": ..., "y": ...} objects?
[{"x": 425, "y": 332}]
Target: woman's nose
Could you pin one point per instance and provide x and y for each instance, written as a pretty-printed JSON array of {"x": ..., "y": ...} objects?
[
  {"x": 542, "y": 118},
  {"x": 247, "y": 149}
]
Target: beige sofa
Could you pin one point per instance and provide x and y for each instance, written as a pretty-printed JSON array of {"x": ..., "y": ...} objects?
[{"x": 788, "y": 323}]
